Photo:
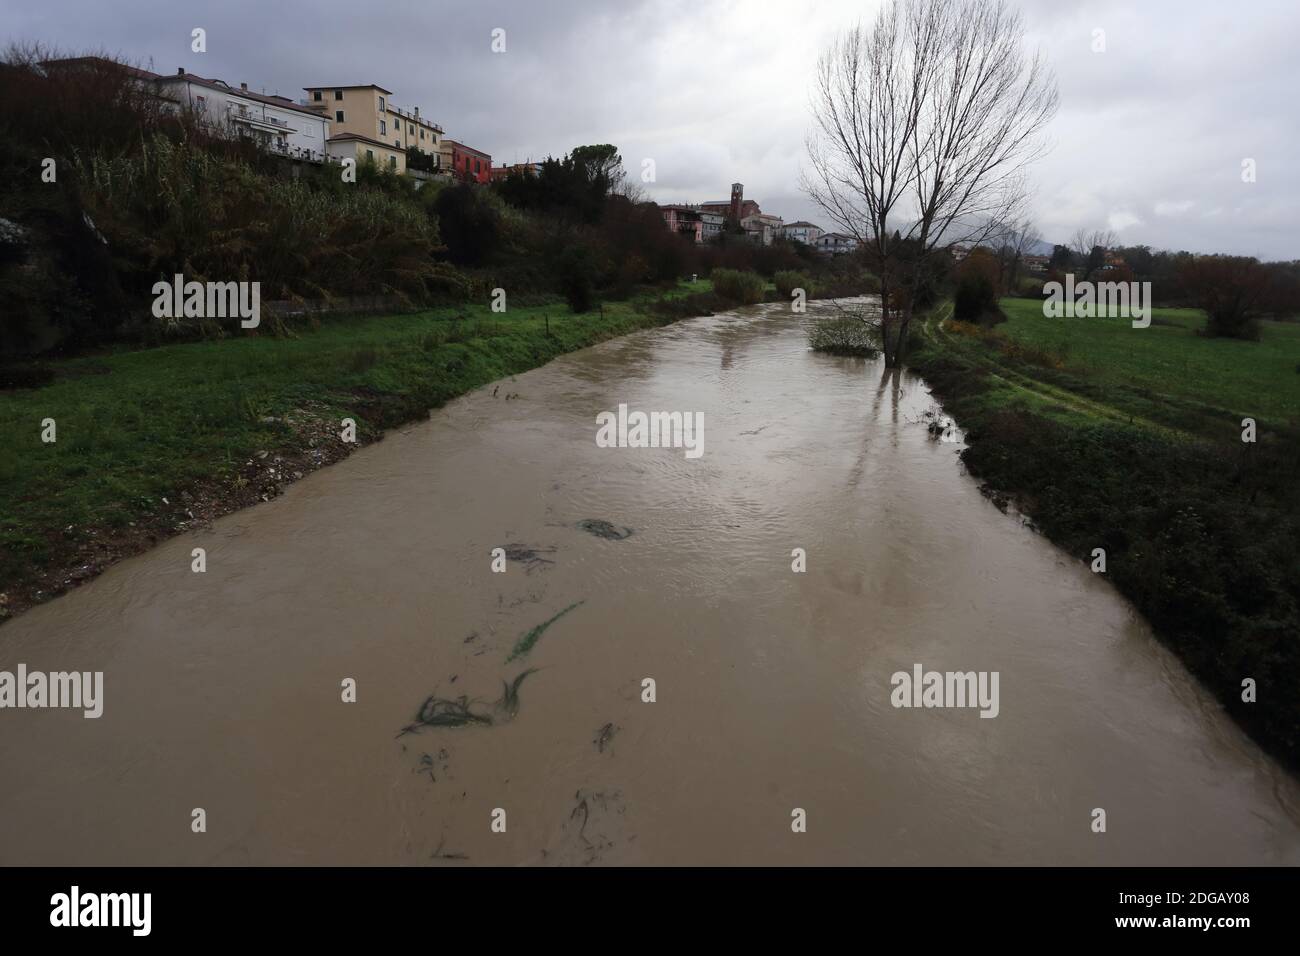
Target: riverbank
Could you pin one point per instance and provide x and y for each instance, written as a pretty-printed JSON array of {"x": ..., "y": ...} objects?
[
  {"x": 1130, "y": 440},
  {"x": 154, "y": 442},
  {"x": 649, "y": 652}
]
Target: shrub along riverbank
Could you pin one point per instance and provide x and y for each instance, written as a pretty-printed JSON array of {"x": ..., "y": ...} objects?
[
  {"x": 157, "y": 441},
  {"x": 1130, "y": 440}
]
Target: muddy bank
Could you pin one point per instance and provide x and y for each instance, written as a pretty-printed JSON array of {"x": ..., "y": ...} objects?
[{"x": 688, "y": 689}]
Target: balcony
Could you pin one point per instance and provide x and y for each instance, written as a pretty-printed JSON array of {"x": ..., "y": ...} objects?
[
  {"x": 408, "y": 115},
  {"x": 258, "y": 119}
]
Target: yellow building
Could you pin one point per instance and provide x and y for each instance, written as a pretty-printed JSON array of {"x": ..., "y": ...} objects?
[
  {"x": 365, "y": 149},
  {"x": 368, "y": 112}
]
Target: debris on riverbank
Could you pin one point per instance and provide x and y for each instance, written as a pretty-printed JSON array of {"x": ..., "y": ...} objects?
[
  {"x": 596, "y": 824},
  {"x": 463, "y": 712},
  {"x": 530, "y": 558},
  {"x": 603, "y": 529},
  {"x": 309, "y": 441},
  {"x": 604, "y": 737},
  {"x": 508, "y": 705},
  {"x": 441, "y": 854}
]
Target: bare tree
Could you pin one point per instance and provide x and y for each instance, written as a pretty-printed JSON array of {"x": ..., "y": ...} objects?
[
  {"x": 871, "y": 87},
  {"x": 1090, "y": 246},
  {"x": 927, "y": 119},
  {"x": 1015, "y": 241}
]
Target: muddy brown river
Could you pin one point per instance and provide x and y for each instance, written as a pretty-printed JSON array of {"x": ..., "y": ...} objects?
[{"x": 223, "y": 690}]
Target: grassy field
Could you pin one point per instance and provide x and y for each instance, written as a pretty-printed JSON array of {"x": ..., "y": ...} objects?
[
  {"x": 1165, "y": 377},
  {"x": 1260, "y": 379},
  {"x": 186, "y": 422},
  {"x": 1129, "y": 440}
]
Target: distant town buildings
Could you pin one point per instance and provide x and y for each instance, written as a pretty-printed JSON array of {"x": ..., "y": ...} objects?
[
  {"x": 835, "y": 243},
  {"x": 712, "y": 223},
  {"x": 683, "y": 220},
  {"x": 801, "y": 231},
  {"x": 705, "y": 222},
  {"x": 737, "y": 207},
  {"x": 329, "y": 124},
  {"x": 762, "y": 228},
  {"x": 522, "y": 169}
]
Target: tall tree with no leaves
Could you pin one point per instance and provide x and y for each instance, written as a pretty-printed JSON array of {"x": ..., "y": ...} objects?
[
  {"x": 1090, "y": 246},
  {"x": 923, "y": 126},
  {"x": 1015, "y": 241}
]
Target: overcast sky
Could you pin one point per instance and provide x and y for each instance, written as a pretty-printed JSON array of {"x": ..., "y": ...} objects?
[{"x": 1149, "y": 140}]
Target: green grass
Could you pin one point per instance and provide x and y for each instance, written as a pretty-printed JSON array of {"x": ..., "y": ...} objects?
[
  {"x": 1259, "y": 379},
  {"x": 1165, "y": 377},
  {"x": 136, "y": 426}
]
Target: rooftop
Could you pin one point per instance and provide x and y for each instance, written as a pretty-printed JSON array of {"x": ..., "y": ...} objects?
[
  {"x": 353, "y": 86},
  {"x": 281, "y": 102},
  {"x": 468, "y": 149},
  {"x": 100, "y": 62}
]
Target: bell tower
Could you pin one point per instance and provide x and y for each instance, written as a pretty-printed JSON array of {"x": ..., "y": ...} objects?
[{"x": 737, "y": 196}]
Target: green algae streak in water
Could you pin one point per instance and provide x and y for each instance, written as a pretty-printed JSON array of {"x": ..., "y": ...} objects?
[{"x": 526, "y": 642}]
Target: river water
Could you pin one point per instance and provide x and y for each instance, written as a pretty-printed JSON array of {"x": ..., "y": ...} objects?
[{"x": 223, "y": 690}]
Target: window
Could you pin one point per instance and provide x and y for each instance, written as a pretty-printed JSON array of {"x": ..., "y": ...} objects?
[
  {"x": 370, "y": 155},
  {"x": 392, "y": 161},
  {"x": 476, "y": 166},
  {"x": 381, "y": 104},
  {"x": 383, "y": 127},
  {"x": 410, "y": 128},
  {"x": 202, "y": 101},
  {"x": 338, "y": 116},
  {"x": 421, "y": 134},
  {"x": 317, "y": 96},
  {"x": 338, "y": 94}
]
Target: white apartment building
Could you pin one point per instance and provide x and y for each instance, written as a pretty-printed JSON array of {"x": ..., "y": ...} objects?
[
  {"x": 276, "y": 123},
  {"x": 801, "y": 231},
  {"x": 835, "y": 243}
]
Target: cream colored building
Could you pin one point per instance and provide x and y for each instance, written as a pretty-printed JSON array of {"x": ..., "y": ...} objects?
[
  {"x": 365, "y": 149},
  {"x": 368, "y": 111}
]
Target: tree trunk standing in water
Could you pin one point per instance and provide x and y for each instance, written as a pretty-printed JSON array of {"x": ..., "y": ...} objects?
[{"x": 931, "y": 114}]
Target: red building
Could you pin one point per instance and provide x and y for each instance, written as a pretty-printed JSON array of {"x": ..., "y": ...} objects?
[{"x": 466, "y": 162}]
